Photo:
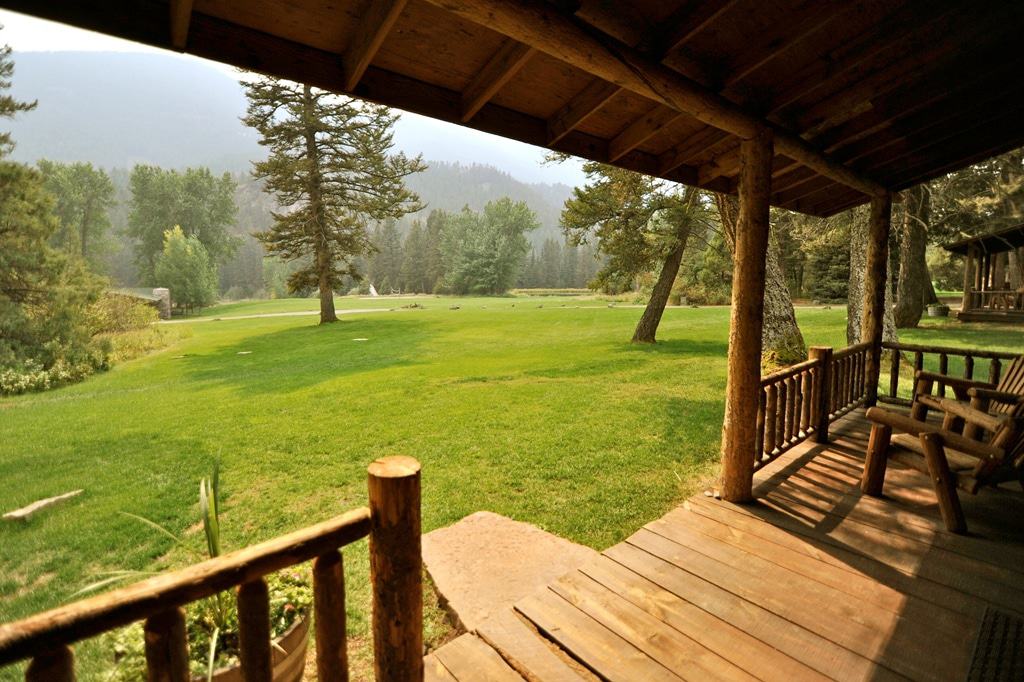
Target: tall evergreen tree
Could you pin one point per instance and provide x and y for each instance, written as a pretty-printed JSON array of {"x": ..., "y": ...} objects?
[
  {"x": 9, "y": 107},
  {"x": 385, "y": 266},
  {"x": 414, "y": 261},
  {"x": 433, "y": 240},
  {"x": 332, "y": 167}
]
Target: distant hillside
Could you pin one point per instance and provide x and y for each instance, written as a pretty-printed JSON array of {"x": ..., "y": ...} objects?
[
  {"x": 119, "y": 109},
  {"x": 115, "y": 109}
]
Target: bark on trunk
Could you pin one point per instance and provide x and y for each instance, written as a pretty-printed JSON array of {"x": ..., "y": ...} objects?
[
  {"x": 855, "y": 305},
  {"x": 912, "y": 286},
  {"x": 781, "y": 340},
  {"x": 647, "y": 328},
  {"x": 322, "y": 253},
  {"x": 930, "y": 296},
  {"x": 1016, "y": 265}
]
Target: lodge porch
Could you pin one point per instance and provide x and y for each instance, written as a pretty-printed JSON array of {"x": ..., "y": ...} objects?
[{"x": 812, "y": 581}]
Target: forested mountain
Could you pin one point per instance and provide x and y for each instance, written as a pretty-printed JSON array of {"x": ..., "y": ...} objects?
[{"x": 116, "y": 110}]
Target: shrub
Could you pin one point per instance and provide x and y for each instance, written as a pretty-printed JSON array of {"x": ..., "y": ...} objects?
[{"x": 115, "y": 312}]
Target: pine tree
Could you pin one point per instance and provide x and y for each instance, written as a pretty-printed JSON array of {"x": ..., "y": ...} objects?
[
  {"x": 9, "y": 106},
  {"x": 331, "y": 165},
  {"x": 414, "y": 261},
  {"x": 433, "y": 241},
  {"x": 386, "y": 261}
]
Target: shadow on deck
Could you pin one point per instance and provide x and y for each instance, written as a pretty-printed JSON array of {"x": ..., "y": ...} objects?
[{"x": 813, "y": 581}]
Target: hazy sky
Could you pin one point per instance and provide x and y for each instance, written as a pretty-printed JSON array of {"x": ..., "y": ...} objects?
[{"x": 434, "y": 139}]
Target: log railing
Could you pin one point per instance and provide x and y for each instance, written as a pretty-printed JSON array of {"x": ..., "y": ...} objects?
[
  {"x": 967, "y": 362},
  {"x": 803, "y": 399},
  {"x": 392, "y": 523}
]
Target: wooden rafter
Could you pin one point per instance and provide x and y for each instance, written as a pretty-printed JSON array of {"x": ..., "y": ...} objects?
[
  {"x": 579, "y": 108},
  {"x": 641, "y": 130},
  {"x": 599, "y": 92},
  {"x": 378, "y": 19},
  {"x": 542, "y": 26},
  {"x": 180, "y": 16},
  {"x": 502, "y": 66}
]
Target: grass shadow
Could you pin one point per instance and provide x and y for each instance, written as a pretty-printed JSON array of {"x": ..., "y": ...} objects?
[{"x": 299, "y": 357}]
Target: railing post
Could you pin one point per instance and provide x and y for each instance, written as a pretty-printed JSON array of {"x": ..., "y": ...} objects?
[
  {"x": 396, "y": 567},
  {"x": 254, "y": 631},
  {"x": 166, "y": 647},
  {"x": 329, "y": 609},
  {"x": 823, "y": 393},
  {"x": 55, "y": 665}
]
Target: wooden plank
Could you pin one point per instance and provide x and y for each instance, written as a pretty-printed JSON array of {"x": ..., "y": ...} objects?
[
  {"x": 526, "y": 650},
  {"x": 367, "y": 38},
  {"x": 500, "y": 69},
  {"x": 792, "y": 571},
  {"x": 887, "y": 579},
  {"x": 467, "y": 657},
  {"x": 434, "y": 670},
  {"x": 801, "y": 644},
  {"x": 719, "y": 636},
  {"x": 607, "y": 654},
  {"x": 840, "y": 619},
  {"x": 666, "y": 645}
]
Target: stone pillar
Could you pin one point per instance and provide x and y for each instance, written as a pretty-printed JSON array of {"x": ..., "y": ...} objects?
[{"x": 164, "y": 305}]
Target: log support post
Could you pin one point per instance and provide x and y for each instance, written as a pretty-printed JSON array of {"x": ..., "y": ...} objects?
[
  {"x": 739, "y": 437},
  {"x": 329, "y": 609},
  {"x": 875, "y": 282},
  {"x": 166, "y": 647},
  {"x": 965, "y": 304},
  {"x": 54, "y": 665},
  {"x": 822, "y": 394},
  {"x": 396, "y": 569}
]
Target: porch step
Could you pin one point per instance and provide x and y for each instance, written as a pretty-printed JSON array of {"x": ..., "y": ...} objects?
[
  {"x": 481, "y": 566},
  {"x": 485, "y": 563}
]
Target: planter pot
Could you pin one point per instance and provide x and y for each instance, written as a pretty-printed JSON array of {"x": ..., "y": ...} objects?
[
  {"x": 938, "y": 311},
  {"x": 288, "y": 665}
]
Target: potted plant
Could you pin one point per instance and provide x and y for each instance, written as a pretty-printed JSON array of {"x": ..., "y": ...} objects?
[
  {"x": 938, "y": 310},
  {"x": 212, "y": 623}
]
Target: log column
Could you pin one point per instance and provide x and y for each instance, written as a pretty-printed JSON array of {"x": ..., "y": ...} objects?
[
  {"x": 739, "y": 438},
  {"x": 875, "y": 282}
]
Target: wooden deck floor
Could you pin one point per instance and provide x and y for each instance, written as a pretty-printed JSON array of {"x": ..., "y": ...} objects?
[{"x": 814, "y": 581}]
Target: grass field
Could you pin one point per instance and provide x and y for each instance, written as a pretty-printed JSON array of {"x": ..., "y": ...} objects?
[{"x": 536, "y": 408}]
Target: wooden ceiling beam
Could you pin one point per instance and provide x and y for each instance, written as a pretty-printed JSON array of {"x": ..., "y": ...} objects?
[
  {"x": 544, "y": 27},
  {"x": 180, "y": 15},
  {"x": 502, "y": 66},
  {"x": 367, "y": 38},
  {"x": 599, "y": 92}
]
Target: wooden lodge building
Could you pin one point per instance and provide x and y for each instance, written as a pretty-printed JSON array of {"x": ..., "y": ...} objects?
[
  {"x": 792, "y": 573},
  {"x": 993, "y": 280}
]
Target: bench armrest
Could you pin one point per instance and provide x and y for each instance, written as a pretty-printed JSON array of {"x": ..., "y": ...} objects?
[
  {"x": 954, "y": 382},
  {"x": 914, "y": 427},
  {"x": 998, "y": 396}
]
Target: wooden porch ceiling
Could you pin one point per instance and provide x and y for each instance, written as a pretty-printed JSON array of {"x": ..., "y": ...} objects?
[{"x": 866, "y": 93}]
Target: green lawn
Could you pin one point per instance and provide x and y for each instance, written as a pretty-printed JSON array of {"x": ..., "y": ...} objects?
[{"x": 536, "y": 408}]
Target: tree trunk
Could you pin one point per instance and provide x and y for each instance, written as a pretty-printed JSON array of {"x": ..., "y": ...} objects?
[
  {"x": 912, "y": 285},
  {"x": 322, "y": 253},
  {"x": 930, "y": 297},
  {"x": 1016, "y": 265},
  {"x": 648, "y": 325},
  {"x": 855, "y": 306},
  {"x": 781, "y": 340}
]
